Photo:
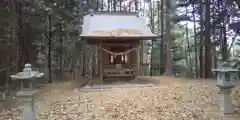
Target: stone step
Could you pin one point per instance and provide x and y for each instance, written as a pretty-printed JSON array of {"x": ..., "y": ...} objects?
[{"x": 107, "y": 87}]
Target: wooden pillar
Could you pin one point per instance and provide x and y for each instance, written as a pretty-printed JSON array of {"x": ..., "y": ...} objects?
[
  {"x": 141, "y": 59},
  {"x": 100, "y": 62},
  {"x": 137, "y": 71},
  {"x": 94, "y": 60}
]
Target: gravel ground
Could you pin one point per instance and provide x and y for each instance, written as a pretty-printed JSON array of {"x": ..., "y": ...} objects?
[{"x": 172, "y": 99}]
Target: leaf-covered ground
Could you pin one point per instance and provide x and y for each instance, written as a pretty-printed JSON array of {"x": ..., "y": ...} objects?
[{"x": 173, "y": 99}]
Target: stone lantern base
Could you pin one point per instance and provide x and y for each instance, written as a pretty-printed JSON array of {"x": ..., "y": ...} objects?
[
  {"x": 226, "y": 99},
  {"x": 27, "y": 96}
]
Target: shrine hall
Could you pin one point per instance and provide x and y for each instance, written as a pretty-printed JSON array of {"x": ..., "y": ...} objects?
[{"x": 117, "y": 36}]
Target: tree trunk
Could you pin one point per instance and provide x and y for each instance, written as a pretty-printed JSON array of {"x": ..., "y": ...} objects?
[
  {"x": 152, "y": 29},
  {"x": 162, "y": 53},
  {"x": 15, "y": 34},
  {"x": 224, "y": 48},
  {"x": 49, "y": 49},
  {"x": 201, "y": 70},
  {"x": 114, "y": 5},
  {"x": 108, "y": 5},
  {"x": 207, "y": 42},
  {"x": 195, "y": 43},
  {"x": 20, "y": 36},
  {"x": 224, "y": 51},
  {"x": 61, "y": 55},
  {"x": 189, "y": 56},
  {"x": 168, "y": 41}
]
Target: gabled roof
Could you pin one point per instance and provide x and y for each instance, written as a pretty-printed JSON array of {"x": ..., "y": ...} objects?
[{"x": 115, "y": 25}]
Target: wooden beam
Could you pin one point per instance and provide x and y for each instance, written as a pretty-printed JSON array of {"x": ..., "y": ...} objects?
[
  {"x": 118, "y": 44},
  {"x": 110, "y": 41}
]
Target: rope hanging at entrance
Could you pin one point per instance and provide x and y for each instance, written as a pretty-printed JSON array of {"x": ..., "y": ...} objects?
[
  {"x": 124, "y": 58},
  {"x": 121, "y": 53},
  {"x": 111, "y": 59}
]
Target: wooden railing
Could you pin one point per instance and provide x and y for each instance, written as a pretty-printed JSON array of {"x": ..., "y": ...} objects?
[
  {"x": 123, "y": 66},
  {"x": 118, "y": 72}
]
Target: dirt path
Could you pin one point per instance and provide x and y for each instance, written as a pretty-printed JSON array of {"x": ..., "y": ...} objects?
[{"x": 172, "y": 99}]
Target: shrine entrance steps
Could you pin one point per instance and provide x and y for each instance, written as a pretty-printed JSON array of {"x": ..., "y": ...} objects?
[
  {"x": 95, "y": 84},
  {"x": 96, "y": 81},
  {"x": 96, "y": 88}
]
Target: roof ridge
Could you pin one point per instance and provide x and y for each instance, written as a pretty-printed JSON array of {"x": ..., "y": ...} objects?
[{"x": 115, "y": 13}]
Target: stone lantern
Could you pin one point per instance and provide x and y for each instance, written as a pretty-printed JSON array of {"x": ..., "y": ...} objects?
[
  {"x": 28, "y": 94},
  {"x": 224, "y": 82}
]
